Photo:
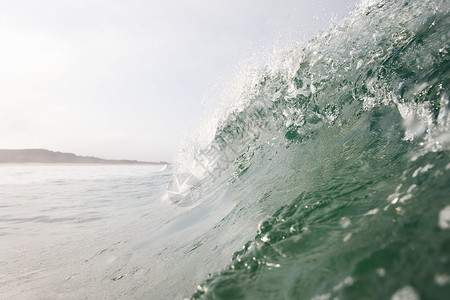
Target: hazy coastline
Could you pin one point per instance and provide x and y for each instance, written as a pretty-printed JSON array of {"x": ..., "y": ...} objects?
[{"x": 44, "y": 156}]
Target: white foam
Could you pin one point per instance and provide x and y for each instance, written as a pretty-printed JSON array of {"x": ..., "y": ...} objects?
[
  {"x": 348, "y": 281},
  {"x": 406, "y": 293},
  {"x": 444, "y": 218},
  {"x": 381, "y": 272},
  {"x": 345, "y": 222},
  {"x": 372, "y": 212},
  {"x": 417, "y": 118},
  {"x": 422, "y": 170},
  {"x": 322, "y": 297},
  {"x": 347, "y": 237},
  {"x": 441, "y": 279}
]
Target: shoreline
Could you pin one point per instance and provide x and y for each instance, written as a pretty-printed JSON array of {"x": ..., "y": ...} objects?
[
  {"x": 48, "y": 157},
  {"x": 79, "y": 164}
]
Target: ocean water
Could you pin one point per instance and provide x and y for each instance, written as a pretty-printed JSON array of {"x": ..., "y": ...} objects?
[
  {"x": 326, "y": 176},
  {"x": 73, "y": 231}
]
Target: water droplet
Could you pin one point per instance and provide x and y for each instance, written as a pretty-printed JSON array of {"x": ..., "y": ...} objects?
[
  {"x": 405, "y": 293},
  {"x": 444, "y": 218}
]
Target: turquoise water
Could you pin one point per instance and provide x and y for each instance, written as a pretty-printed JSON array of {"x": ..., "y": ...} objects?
[
  {"x": 340, "y": 150},
  {"x": 325, "y": 177}
]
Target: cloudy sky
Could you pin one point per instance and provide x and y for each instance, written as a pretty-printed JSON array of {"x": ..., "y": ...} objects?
[{"x": 127, "y": 79}]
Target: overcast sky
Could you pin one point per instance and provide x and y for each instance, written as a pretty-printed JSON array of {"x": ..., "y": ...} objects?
[{"x": 126, "y": 79}]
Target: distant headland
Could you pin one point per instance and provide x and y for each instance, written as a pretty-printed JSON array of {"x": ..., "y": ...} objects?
[{"x": 44, "y": 156}]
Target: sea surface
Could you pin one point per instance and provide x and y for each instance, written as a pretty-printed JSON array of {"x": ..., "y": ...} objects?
[
  {"x": 326, "y": 175},
  {"x": 78, "y": 231}
]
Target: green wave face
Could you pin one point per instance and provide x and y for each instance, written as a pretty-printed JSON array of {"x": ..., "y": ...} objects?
[{"x": 343, "y": 149}]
